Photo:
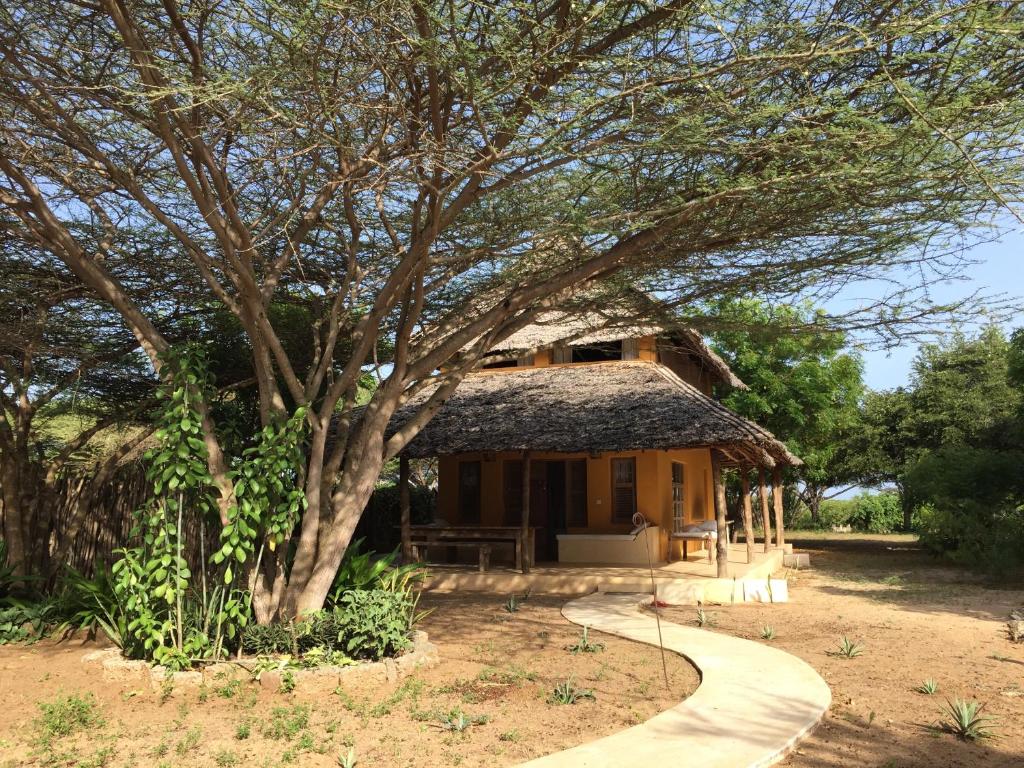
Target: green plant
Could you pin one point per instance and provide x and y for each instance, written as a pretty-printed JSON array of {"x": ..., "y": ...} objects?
[
  {"x": 24, "y": 621},
  {"x": 512, "y": 736},
  {"x": 512, "y": 604},
  {"x": 568, "y": 692},
  {"x": 348, "y": 760},
  {"x": 705, "y": 619},
  {"x": 225, "y": 758},
  {"x": 849, "y": 649},
  {"x": 243, "y": 730},
  {"x": 87, "y": 604},
  {"x": 287, "y": 682},
  {"x": 768, "y": 632},
  {"x": 364, "y": 569},
  {"x": 458, "y": 721},
  {"x": 375, "y": 623},
  {"x": 965, "y": 721},
  {"x": 68, "y": 714},
  {"x": 286, "y": 722},
  {"x": 583, "y": 645},
  {"x": 929, "y": 687},
  {"x": 171, "y": 619},
  {"x": 189, "y": 741}
]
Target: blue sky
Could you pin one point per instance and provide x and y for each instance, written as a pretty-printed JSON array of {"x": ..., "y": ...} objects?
[{"x": 999, "y": 271}]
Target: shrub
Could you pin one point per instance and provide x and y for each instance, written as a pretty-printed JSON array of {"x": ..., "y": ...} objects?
[
  {"x": 849, "y": 649},
  {"x": 569, "y": 693},
  {"x": 25, "y": 621},
  {"x": 965, "y": 721},
  {"x": 877, "y": 512},
  {"x": 374, "y": 623},
  {"x": 68, "y": 714}
]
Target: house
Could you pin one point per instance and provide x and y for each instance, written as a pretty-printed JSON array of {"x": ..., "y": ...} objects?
[{"x": 570, "y": 434}]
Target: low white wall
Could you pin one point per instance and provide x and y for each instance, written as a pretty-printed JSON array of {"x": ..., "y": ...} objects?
[{"x": 609, "y": 548}]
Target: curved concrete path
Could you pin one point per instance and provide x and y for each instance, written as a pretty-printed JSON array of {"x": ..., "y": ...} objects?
[{"x": 754, "y": 702}]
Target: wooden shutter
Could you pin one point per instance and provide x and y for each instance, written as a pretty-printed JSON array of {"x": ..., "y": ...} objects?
[
  {"x": 678, "y": 509},
  {"x": 576, "y": 493},
  {"x": 623, "y": 490},
  {"x": 469, "y": 491}
]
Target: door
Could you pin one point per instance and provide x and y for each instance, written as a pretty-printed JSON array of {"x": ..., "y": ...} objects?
[{"x": 556, "y": 509}]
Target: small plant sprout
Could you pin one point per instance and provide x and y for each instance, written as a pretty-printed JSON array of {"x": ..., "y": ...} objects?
[
  {"x": 849, "y": 649},
  {"x": 512, "y": 604},
  {"x": 964, "y": 720},
  {"x": 929, "y": 687},
  {"x": 583, "y": 645},
  {"x": 705, "y": 619},
  {"x": 767, "y": 632},
  {"x": 287, "y": 681},
  {"x": 458, "y": 721},
  {"x": 569, "y": 693},
  {"x": 348, "y": 760}
]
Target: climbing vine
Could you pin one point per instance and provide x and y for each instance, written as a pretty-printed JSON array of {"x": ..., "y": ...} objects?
[{"x": 172, "y": 619}]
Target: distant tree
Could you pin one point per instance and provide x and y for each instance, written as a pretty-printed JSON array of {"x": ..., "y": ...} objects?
[
  {"x": 805, "y": 387},
  {"x": 434, "y": 175},
  {"x": 961, "y": 396}
]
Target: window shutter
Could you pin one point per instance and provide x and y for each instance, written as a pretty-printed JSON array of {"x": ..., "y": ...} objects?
[{"x": 623, "y": 490}]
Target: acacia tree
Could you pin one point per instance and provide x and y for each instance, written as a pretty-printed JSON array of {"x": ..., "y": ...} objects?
[{"x": 428, "y": 176}]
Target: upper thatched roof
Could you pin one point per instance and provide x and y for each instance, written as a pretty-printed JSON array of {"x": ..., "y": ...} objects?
[
  {"x": 615, "y": 406},
  {"x": 553, "y": 328}
]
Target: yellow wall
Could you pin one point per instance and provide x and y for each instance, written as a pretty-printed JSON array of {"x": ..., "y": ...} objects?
[{"x": 654, "y": 487}]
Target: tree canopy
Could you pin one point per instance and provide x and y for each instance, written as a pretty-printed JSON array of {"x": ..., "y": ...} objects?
[
  {"x": 427, "y": 177},
  {"x": 806, "y": 387}
]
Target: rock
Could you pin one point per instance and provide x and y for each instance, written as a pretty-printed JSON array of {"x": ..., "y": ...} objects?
[{"x": 797, "y": 560}]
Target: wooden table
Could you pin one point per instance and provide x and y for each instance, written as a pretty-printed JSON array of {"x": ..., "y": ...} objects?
[{"x": 434, "y": 535}]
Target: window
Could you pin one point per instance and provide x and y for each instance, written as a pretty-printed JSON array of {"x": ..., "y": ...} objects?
[
  {"x": 498, "y": 360},
  {"x": 596, "y": 353},
  {"x": 678, "y": 510},
  {"x": 469, "y": 492},
  {"x": 623, "y": 490},
  {"x": 576, "y": 493},
  {"x": 513, "y": 474}
]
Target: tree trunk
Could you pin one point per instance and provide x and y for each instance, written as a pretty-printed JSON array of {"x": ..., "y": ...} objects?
[
  {"x": 15, "y": 517},
  {"x": 722, "y": 544}
]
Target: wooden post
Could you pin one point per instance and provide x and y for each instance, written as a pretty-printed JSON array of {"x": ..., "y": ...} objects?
[
  {"x": 405, "y": 507},
  {"x": 722, "y": 549},
  {"x": 748, "y": 515},
  {"x": 524, "y": 537},
  {"x": 780, "y": 537},
  {"x": 766, "y": 518}
]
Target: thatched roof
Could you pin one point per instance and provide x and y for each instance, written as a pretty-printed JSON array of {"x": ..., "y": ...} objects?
[
  {"x": 553, "y": 328},
  {"x": 614, "y": 406}
]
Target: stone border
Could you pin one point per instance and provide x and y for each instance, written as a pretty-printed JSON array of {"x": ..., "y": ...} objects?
[{"x": 116, "y": 668}]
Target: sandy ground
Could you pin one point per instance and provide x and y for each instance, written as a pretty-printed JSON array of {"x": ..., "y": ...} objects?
[
  {"x": 495, "y": 665},
  {"x": 916, "y": 619}
]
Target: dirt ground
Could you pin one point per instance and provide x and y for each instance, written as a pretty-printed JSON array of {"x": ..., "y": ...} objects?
[
  {"x": 495, "y": 665},
  {"x": 916, "y": 619}
]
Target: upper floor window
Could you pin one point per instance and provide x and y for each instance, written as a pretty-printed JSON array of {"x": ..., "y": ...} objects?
[{"x": 596, "y": 353}]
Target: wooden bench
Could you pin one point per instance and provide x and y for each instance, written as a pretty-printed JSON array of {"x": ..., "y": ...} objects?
[{"x": 484, "y": 548}]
